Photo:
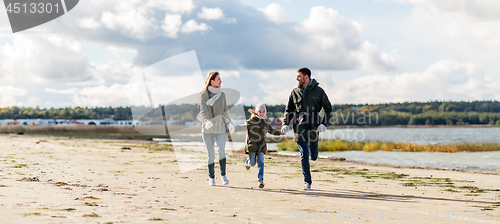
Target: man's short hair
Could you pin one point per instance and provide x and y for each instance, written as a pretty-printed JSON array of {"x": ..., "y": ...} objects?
[{"x": 305, "y": 71}]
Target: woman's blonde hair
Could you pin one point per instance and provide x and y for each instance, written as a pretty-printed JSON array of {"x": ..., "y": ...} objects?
[{"x": 211, "y": 76}]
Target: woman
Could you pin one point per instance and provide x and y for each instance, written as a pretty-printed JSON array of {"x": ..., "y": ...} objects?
[{"x": 214, "y": 116}]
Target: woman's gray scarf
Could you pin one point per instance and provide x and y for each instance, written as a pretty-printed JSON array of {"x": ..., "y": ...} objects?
[{"x": 214, "y": 98}]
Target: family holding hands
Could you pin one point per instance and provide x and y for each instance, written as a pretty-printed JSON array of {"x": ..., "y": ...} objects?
[{"x": 302, "y": 110}]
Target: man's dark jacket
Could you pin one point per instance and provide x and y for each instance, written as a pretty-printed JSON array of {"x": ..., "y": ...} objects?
[{"x": 304, "y": 106}]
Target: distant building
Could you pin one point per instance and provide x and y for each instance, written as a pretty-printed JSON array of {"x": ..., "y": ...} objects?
[
  {"x": 63, "y": 121},
  {"x": 46, "y": 122},
  {"x": 143, "y": 122},
  {"x": 108, "y": 121},
  {"x": 23, "y": 122},
  {"x": 175, "y": 123},
  {"x": 126, "y": 123},
  {"x": 89, "y": 121},
  {"x": 6, "y": 121}
]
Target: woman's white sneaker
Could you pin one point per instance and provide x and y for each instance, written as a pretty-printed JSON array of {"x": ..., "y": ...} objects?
[
  {"x": 224, "y": 180},
  {"x": 211, "y": 182}
]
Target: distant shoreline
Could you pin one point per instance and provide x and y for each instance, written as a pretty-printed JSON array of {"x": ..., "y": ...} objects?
[{"x": 418, "y": 126}]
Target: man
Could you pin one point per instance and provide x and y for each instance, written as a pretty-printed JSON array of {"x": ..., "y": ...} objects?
[{"x": 304, "y": 106}]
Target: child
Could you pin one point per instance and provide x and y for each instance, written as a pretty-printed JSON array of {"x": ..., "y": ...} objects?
[{"x": 257, "y": 126}]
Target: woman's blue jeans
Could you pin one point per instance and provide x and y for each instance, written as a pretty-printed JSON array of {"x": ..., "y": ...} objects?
[
  {"x": 210, "y": 140},
  {"x": 259, "y": 158}
]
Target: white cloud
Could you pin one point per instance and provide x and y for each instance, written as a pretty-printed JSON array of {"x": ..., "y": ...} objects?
[
  {"x": 214, "y": 14},
  {"x": 192, "y": 26},
  {"x": 324, "y": 41},
  {"x": 130, "y": 20},
  {"x": 472, "y": 9},
  {"x": 117, "y": 64},
  {"x": 137, "y": 19},
  {"x": 276, "y": 86},
  {"x": 228, "y": 73},
  {"x": 89, "y": 23},
  {"x": 9, "y": 94},
  {"x": 45, "y": 59},
  {"x": 172, "y": 24},
  {"x": 265, "y": 52},
  {"x": 335, "y": 45},
  {"x": 371, "y": 58},
  {"x": 172, "y": 6},
  {"x": 230, "y": 20},
  {"x": 260, "y": 86},
  {"x": 33, "y": 101},
  {"x": 53, "y": 60},
  {"x": 211, "y": 13},
  {"x": 338, "y": 42},
  {"x": 468, "y": 23},
  {"x": 117, "y": 69},
  {"x": 60, "y": 42},
  {"x": 98, "y": 96},
  {"x": 444, "y": 80},
  {"x": 275, "y": 13}
]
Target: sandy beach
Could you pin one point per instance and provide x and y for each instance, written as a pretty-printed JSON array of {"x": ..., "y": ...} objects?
[{"x": 61, "y": 180}]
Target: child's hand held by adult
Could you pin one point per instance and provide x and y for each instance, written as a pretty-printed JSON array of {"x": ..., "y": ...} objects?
[
  {"x": 321, "y": 128},
  {"x": 285, "y": 128}
]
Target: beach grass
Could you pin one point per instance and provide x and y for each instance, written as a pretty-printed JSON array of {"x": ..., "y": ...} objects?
[
  {"x": 343, "y": 145},
  {"x": 449, "y": 185},
  {"x": 92, "y": 215}
]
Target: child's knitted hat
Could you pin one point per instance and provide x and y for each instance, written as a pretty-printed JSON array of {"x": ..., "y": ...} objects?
[{"x": 260, "y": 106}]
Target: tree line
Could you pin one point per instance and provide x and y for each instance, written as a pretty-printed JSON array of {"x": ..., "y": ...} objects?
[{"x": 406, "y": 113}]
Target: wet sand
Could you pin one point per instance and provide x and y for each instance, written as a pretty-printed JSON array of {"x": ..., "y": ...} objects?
[{"x": 51, "y": 180}]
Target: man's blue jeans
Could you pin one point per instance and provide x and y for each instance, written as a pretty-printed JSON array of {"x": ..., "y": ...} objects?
[
  {"x": 221, "y": 145},
  {"x": 252, "y": 157},
  {"x": 305, "y": 148}
]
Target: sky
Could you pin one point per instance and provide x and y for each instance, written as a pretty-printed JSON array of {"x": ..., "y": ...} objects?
[{"x": 360, "y": 51}]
